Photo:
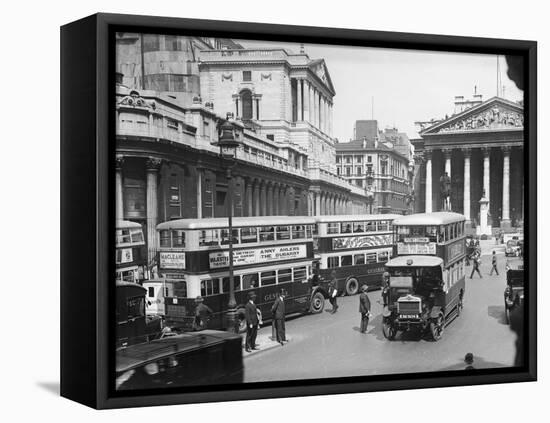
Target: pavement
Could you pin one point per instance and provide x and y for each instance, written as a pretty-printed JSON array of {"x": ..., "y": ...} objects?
[
  {"x": 330, "y": 345},
  {"x": 264, "y": 341}
]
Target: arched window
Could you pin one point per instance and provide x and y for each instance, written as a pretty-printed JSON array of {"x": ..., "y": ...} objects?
[{"x": 246, "y": 99}]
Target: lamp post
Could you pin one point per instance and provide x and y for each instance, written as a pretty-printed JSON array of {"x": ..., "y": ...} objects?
[
  {"x": 369, "y": 179},
  {"x": 229, "y": 144}
]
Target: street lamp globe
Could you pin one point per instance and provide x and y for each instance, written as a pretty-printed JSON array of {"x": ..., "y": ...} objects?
[{"x": 227, "y": 140}]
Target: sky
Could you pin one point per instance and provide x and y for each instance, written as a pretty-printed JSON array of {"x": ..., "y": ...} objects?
[{"x": 405, "y": 86}]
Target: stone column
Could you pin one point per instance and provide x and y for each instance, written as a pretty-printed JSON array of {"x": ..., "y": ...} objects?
[
  {"x": 317, "y": 200},
  {"x": 275, "y": 200},
  {"x": 249, "y": 198},
  {"x": 299, "y": 114},
  {"x": 119, "y": 199},
  {"x": 256, "y": 198},
  {"x": 269, "y": 195},
  {"x": 282, "y": 200},
  {"x": 307, "y": 99},
  {"x": 467, "y": 155},
  {"x": 152, "y": 166},
  {"x": 311, "y": 104},
  {"x": 505, "y": 222},
  {"x": 428, "y": 155},
  {"x": 315, "y": 108},
  {"x": 200, "y": 174},
  {"x": 263, "y": 200},
  {"x": 487, "y": 172},
  {"x": 330, "y": 119}
]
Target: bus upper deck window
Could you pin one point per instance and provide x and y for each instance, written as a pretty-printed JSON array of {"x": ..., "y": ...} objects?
[
  {"x": 358, "y": 227},
  {"x": 298, "y": 232},
  {"x": 371, "y": 226},
  {"x": 346, "y": 228},
  {"x": 225, "y": 236},
  {"x": 209, "y": 237},
  {"x": 333, "y": 228},
  {"x": 383, "y": 225},
  {"x": 137, "y": 235},
  {"x": 249, "y": 235},
  {"x": 178, "y": 239},
  {"x": 165, "y": 239},
  {"x": 267, "y": 233},
  {"x": 283, "y": 232}
]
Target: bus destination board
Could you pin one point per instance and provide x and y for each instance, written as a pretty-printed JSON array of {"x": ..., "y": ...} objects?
[{"x": 415, "y": 248}]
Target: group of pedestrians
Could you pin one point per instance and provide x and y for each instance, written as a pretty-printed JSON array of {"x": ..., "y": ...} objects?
[
  {"x": 253, "y": 320},
  {"x": 477, "y": 263}
]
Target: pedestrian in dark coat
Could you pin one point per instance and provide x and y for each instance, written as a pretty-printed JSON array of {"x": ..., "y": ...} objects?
[
  {"x": 278, "y": 311},
  {"x": 494, "y": 264},
  {"x": 364, "y": 308},
  {"x": 385, "y": 288},
  {"x": 202, "y": 314},
  {"x": 252, "y": 322},
  {"x": 475, "y": 268},
  {"x": 333, "y": 291}
]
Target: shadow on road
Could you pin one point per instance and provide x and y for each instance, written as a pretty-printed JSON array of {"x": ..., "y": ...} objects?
[{"x": 497, "y": 313}]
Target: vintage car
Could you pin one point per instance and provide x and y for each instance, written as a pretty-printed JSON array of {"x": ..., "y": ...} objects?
[
  {"x": 513, "y": 294},
  {"x": 513, "y": 248}
]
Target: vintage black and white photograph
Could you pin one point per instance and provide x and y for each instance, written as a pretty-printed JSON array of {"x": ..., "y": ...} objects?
[{"x": 295, "y": 211}]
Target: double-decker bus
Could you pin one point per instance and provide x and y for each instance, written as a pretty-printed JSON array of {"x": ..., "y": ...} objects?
[
  {"x": 355, "y": 247},
  {"x": 427, "y": 275},
  {"x": 131, "y": 254},
  {"x": 269, "y": 254}
]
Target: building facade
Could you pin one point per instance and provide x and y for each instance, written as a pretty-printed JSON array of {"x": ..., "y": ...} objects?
[
  {"x": 481, "y": 149},
  {"x": 167, "y": 165},
  {"x": 381, "y": 169}
]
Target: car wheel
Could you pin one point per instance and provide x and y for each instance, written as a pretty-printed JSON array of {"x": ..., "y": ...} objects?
[
  {"x": 317, "y": 303},
  {"x": 437, "y": 326},
  {"x": 388, "y": 330},
  {"x": 352, "y": 286}
]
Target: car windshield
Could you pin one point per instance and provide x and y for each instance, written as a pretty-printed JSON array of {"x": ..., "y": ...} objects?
[{"x": 512, "y": 243}]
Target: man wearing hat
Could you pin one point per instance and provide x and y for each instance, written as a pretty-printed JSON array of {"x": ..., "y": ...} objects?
[
  {"x": 202, "y": 313},
  {"x": 252, "y": 321},
  {"x": 364, "y": 308},
  {"x": 385, "y": 288},
  {"x": 278, "y": 311}
]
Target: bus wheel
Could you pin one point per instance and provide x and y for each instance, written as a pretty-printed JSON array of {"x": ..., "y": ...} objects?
[
  {"x": 317, "y": 303},
  {"x": 388, "y": 330},
  {"x": 507, "y": 314},
  {"x": 436, "y": 327},
  {"x": 352, "y": 286},
  {"x": 241, "y": 320}
]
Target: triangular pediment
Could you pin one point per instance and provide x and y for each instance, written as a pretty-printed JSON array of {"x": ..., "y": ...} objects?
[
  {"x": 319, "y": 68},
  {"x": 491, "y": 115}
]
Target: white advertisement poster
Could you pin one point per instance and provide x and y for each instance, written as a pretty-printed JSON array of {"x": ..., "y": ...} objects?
[
  {"x": 170, "y": 260},
  {"x": 257, "y": 255},
  {"x": 416, "y": 248}
]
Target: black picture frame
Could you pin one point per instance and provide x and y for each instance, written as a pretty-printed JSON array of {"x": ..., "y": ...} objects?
[{"x": 87, "y": 209}]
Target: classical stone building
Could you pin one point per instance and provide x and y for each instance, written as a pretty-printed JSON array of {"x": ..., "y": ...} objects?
[
  {"x": 481, "y": 148},
  {"x": 167, "y": 166},
  {"x": 375, "y": 163}
]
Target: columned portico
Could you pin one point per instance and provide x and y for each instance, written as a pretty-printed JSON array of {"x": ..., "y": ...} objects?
[
  {"x": 486, "y": 172},
  {"x": 119, "y": 199}
]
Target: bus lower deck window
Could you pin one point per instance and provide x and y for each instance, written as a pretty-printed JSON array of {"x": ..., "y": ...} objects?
[
  {"x": 236, "y": 283},
  {"x": 285, "y": 275},
  {"x": 210, "y": 287},
  {"x": 358, "y": 259},
  {"x": 250, "y": 281},
  {"x": 300, "y": 274},
  {"x": 333, "y": 262},
  {"x": 346, "y": 261},
  {"x": 268, "y": 278},
  {"x": 371, "y": 258},
  {"x": 383, "y": 256}
]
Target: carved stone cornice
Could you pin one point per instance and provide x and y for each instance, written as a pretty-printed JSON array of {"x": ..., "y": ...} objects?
[
  {"x": 428, "y": 154},
  {"x": 135, "y": 100},
  {"x": 153, "y": 164},
  {"x": 119, "y": 161}
]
